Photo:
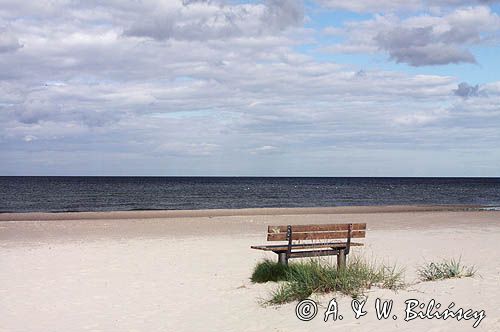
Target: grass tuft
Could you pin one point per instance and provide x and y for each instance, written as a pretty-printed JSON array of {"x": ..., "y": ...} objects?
[
  {"x": 446, "y": 269},
  {"x": 269, "y": 271},
  {"x": 301, "y": 279}
]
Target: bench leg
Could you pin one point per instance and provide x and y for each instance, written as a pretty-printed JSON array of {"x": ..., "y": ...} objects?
[
  {"x": 282, "y": 259},
  {"x": 341, "y": 258}
]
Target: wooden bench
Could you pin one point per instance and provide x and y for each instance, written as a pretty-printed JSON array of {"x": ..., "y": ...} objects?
[{"x": 341, "y": 234}]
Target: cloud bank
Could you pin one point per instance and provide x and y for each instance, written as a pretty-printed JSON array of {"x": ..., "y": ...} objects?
[{"x": 226, "y": 88}]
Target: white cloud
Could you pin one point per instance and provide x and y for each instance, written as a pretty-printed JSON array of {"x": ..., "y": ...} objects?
[
  {"x": 29, "y": 138},
  {"x": 265, "y": 149},
  {"x": 381, "y": 6},
  {"x": 421, "y": 118},
  {"x": 187, "y": 149},
  {"x": 370, "y": 6},
  {"x": 423, "y": 40},
  {"x": 206, "y": 20},
  {"x": 8, "y": 42}
]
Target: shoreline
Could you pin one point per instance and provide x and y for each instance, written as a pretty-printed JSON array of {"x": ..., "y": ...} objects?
[{"x": 166, "y": 214}]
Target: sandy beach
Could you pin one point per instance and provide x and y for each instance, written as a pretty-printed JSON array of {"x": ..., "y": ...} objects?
[{"x": 189, "y": 270}]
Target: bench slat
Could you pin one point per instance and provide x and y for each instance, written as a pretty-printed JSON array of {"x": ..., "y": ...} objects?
[
  {"x": 315, "y": 236},
  {"x": 284, "y": 247},
  {"x": 314, "y": 253},
  {"x": 316, "y": 228}
]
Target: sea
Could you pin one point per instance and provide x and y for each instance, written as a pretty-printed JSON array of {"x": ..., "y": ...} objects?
[{"x": 87, "y": 193}]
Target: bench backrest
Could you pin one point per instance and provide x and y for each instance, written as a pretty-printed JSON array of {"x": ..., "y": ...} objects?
[{"x": 316, "y": 232}]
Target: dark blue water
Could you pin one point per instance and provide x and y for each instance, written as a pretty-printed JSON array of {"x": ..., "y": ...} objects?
[{"x": 22, "y": 194}]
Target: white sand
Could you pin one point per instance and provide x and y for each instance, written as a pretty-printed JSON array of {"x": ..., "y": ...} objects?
[{"x": 192, "y": 273}]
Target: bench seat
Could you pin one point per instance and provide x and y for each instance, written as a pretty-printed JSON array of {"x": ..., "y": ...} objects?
[{"x": 284, "y": 247}]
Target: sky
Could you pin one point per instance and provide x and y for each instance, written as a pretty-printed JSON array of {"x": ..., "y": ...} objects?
[{"x": 250, "y": 88}]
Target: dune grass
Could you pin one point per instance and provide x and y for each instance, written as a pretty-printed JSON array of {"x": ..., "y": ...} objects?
[
  {"x": 268, "y": 270},
  {"x": 446, "y": 269},
  {"x": 301, "y": 279}
]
